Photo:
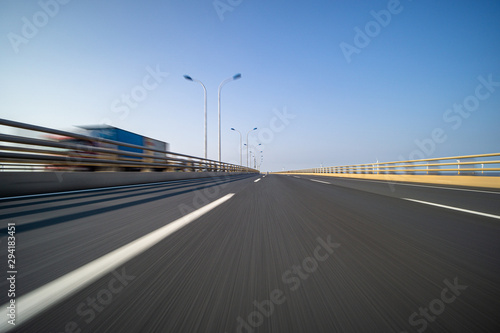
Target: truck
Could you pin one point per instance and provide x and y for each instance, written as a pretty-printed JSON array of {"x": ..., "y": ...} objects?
[{"x": 119, "y": 135}]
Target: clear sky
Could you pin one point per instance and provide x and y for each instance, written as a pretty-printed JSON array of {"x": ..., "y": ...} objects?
[{"x": 325, "y": 82}]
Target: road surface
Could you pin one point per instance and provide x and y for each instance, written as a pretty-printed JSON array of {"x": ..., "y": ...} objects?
[{"x": 276, "y": 253}]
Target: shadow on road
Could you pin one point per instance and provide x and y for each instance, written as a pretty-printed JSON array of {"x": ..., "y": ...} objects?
[{"x": 70, "y": 217}]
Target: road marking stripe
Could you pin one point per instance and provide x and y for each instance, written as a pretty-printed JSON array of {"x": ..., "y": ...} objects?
[
  {"x": 41, "y": 299},
  {"x": 455, "y": 208},
  {"x": 296, "y": 176},
  {"x": 255, "y": 181},
  {"x": 319, "y": 181}
]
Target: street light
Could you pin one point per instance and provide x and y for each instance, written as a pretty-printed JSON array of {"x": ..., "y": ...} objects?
[
  {"x": 189, "y": 78},
  {"x": 247, "y": 142},
  {"x": 251, "y": 155},
  {"x": 247, "y": 152},
  {"x": 234, "y": 77},
  {"x": 255, "y": 155},
  {"x": 241, "y": 148}
]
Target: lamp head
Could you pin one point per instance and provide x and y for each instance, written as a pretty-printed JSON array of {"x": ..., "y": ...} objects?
[
  {"x": 187, "y": 77},
  {"x": 237, "y": 76}
]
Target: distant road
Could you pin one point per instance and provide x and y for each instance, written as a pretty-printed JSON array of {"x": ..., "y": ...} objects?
[{"x": 278, "y": 253}]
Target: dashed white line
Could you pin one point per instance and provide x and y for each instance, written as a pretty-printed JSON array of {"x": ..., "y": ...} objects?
[
  {"x": 53, "y": 292},
  {"x": 255, "y": 181},
  {"x": 455, "y": 208},
  {"x": 319, "y": 181},
  {"x": 296, "y": 176}
]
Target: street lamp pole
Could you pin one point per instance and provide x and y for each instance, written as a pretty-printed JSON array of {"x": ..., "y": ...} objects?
[
  {"x": 189, "y": 78},
  {"x": 234, "y": 77},
  {"x": 247, "y": 152},
  {"x": 248, "y": 143},
  {"x": 250, "y": 154},
  {"x": 255, "y": 155},
  {"x": 241, "y": 148}
]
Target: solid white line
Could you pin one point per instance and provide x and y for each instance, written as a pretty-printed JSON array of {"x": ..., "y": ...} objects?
[
  {"x": 255, "y": 181},
  {"x": 455, "y": 208},
  {"x": 53, "y": 292},
  {"x": 319, "y": 181},
  {"x": 406, "y": 184}
]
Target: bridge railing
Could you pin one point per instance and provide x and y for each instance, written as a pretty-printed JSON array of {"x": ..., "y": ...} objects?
[
  {"x": 478, "y": 165},
  {"x": 35, "y": 153}
]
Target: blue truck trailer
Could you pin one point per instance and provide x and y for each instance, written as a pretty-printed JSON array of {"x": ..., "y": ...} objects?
[
  {"x": 115, "y": 134},
  {"x": 120, "y": 135}
]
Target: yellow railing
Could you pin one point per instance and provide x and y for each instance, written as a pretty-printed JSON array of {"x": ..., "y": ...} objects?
[{"x": 482, "y": 164}]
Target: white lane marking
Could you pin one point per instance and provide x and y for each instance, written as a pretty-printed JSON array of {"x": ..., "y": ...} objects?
[
  {"x": 296, "y": 176},
  {"x": 98, "y": 189},
  {"x": 406, "y": 184},
  {"x": 455, "y": 208},
  {"x": 319, "y": 181},
  {"x": 255, "y": 181},
  {"x": 41, "y": 299}
]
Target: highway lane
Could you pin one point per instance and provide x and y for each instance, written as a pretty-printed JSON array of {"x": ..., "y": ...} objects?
[
  {"x": 59, "y": 233},
  {"x": 332, "y": 257},
  {"x": 479, "y": 199}
]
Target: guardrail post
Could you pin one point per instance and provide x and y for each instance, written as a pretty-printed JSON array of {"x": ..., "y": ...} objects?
[{"x": 458, "y": 166}]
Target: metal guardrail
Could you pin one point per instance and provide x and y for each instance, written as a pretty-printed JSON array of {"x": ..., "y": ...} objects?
[
  {"x": 457, "y": 165},
  {"x": 33, "y": 154}
]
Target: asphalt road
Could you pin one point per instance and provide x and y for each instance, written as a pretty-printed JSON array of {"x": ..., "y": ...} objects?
[{"x": 283, "y": 254}]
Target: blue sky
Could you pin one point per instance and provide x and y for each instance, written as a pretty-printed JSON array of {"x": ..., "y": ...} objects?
[{"x": 383, "y": 104}]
